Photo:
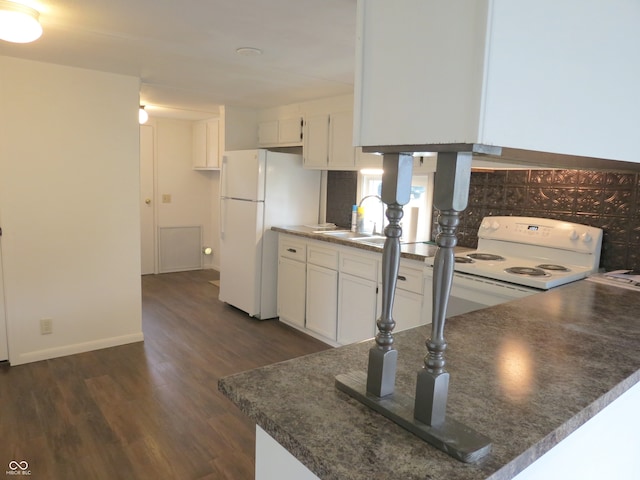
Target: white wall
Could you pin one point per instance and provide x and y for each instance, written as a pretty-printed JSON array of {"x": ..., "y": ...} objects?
[
  {"x": 192, "y": 191},
  {"x": 69, "y": 182}
]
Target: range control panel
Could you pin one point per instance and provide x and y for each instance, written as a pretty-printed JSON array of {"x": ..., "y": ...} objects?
[{"x": 543, "y": 232}]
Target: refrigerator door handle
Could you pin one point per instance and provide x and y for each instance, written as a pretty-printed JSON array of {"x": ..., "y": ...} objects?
[
  {"x": 223, "y": 177},
  {"x": 221, "y": 222}
]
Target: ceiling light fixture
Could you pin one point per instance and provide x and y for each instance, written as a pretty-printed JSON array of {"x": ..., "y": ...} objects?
[
  {"x": 143, "y": 116},
  {"x": 248, "y": 51},
  {"x": 19, "y": 23}
]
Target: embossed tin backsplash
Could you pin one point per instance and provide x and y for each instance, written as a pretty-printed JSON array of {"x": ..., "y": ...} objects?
[{"x": 607, "y": 200}]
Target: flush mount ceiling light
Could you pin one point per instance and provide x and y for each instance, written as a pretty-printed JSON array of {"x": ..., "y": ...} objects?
[
  {"x": 143, "y": 116},
  {"x": 248, "y": 51},
  {"x": 19, "y": 23}
]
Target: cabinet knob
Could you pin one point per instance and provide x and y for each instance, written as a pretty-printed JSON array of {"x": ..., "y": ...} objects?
[
  {"x": 292, "y": 250},
  {"x": 147, "y": 201},
  {"x": 402, "y": 278}
]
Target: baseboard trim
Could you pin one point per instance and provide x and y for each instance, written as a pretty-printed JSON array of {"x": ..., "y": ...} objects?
[{"x": 75, "y": 348}]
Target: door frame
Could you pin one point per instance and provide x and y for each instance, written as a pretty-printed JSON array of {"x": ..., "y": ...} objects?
[{"x": 152, "y": 234}]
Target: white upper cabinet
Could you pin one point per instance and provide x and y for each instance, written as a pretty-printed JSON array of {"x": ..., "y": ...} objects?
[
  {"x": 280, "y": 132},
  {"x": 206, "y": 147},
  {"x": 268, "y": 133},
  {"x": 341, "y": 150},
  {"x": 328, "y": 141},
  {"x": 557, "y": 76},
  {"x": 290, "y": 131},
  {"x": 315, "y": 150}
]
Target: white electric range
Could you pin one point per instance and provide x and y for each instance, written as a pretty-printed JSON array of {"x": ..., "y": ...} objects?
[{"x": 520, "y": 256}]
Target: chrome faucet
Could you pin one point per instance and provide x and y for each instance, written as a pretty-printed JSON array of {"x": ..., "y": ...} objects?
[{"x": 374, "y": 223}]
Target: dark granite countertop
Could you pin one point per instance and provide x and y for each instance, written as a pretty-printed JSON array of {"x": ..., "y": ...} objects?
[
  {"x": 414, "y": 250},
  {"x": 525, "y": 373}
]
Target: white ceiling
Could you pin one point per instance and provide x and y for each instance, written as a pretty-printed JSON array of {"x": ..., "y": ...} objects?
[{"x": 184, "y": 51}]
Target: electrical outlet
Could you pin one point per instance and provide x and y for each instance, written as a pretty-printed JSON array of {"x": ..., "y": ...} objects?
[{"x": 46, "y": 326}]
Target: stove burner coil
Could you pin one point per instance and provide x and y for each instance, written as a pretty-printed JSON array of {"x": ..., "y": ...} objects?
[
  {"x": 463, "y": 260},
  {"x": 531, "y": 271},
  {"x": 485, "y": 256},
  {"x": 553, "y": 267}
]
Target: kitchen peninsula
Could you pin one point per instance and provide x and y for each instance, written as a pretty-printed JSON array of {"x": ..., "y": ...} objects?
[{"x": 526, "y": 373}]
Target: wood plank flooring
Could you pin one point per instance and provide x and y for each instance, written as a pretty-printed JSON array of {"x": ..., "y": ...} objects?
[{"x": 149, "y": 410}]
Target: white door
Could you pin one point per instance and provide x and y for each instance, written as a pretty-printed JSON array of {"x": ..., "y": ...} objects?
[
  {"x": 4, "y": 350},
  {"x": 147, "y": 202}
]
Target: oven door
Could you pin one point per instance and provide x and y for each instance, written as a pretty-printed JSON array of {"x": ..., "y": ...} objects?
[{"x": 470, "y": 292}]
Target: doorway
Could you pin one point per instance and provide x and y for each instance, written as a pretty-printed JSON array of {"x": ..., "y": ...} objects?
[{"x": 147, "y": 201}]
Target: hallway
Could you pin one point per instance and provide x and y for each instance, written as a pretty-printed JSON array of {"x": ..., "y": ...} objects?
[{"x": 152, "y": 409}]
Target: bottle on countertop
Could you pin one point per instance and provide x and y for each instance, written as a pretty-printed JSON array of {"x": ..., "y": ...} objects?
[
  {"x": 354, "y": 218},
  {"x": 360, "y": 220}
]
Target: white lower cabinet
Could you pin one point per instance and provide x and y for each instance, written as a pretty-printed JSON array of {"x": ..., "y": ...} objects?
[
  {"x": 322, "y": 289},
  {"x": 333, "y": 292},
  {"x": 292, "y": 291},
  {"x": 357, "y": 312},
  {"x": 322, "y": 300},
  {"x": 407, "y": 310},
  {"x": 292, "y": 280},
  {"x": 356, "y": 309},
  {"x": 357, "y": 293},
  {"x": 407, "y": 301}
]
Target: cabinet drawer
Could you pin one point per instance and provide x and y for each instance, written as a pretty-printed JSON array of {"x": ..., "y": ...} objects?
[
  {"x": 324, "y": 257},
  {"x": 359, "y": 266},
  {"x": 293, "y": 249},
  {"x": 410, "y": 279}
]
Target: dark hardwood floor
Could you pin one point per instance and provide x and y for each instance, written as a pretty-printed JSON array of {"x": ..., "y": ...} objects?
[{"x": 149, "y": 410}]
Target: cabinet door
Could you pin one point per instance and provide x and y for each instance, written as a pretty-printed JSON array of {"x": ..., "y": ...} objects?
[
  {"x": 316, "y": 141},
  {"x": 290, "y": 131},
  {"x": 407, "y": 310},
  {"x": 356, "y": 309},
  {"x": 205, "y": 138},
  {"x": 322, "y": 300},
  {"x": 291, "y": 291},
  {"x": 268, "y": 133},
  {"x": 341, "y": 150},
  {"x": 199, "y": 144},
  {"x": 213, "y": 144}
]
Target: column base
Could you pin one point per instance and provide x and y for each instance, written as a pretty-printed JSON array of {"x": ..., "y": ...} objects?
[{"x": 452, "y": 437}]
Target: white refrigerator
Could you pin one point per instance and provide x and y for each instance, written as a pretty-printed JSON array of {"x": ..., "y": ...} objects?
[{"x": 260, "y": 189}]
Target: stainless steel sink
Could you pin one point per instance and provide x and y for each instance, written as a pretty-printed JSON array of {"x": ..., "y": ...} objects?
[
  {"x": 346, "y": 234},
  {"x": 376, "y": 240},
  {"x": 366, "y": 238}
]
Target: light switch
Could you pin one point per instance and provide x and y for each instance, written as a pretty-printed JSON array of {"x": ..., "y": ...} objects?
[{"x": 166, "y": 198}]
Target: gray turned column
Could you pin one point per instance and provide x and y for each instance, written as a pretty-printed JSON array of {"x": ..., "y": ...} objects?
[
  {"x": 451, "y": 193},
  {"x": 396, "y": 192}
]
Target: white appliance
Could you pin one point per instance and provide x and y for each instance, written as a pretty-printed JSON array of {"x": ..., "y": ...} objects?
[
  {"x": 260, "y": 189},
  {"x": 520, "y": 256}
]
